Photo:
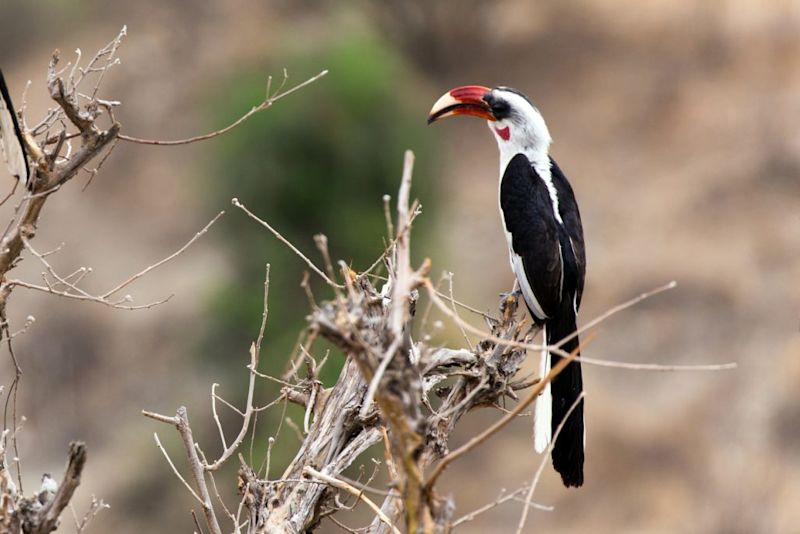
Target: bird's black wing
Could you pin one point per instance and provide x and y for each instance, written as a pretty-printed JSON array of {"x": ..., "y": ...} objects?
[
  {"x": 568, "y": 208},
  {"x": 529, "y": 219},
  {"x": 11, "y": 144}
]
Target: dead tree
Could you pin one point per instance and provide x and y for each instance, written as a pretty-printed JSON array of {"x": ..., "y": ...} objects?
[{"x": 395, "y": 387}]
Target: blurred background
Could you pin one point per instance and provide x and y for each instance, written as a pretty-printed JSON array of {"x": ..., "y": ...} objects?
[{"x": 677, "y": 123}]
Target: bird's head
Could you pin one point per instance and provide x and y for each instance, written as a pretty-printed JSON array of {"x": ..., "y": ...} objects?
[{"x": 514, "y": 120}]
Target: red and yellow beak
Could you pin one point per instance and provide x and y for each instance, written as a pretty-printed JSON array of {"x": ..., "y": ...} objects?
[{"x": 466, "y": 100}]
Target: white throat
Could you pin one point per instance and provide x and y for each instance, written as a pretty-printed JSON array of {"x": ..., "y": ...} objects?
[
  {"x": 534, "y": 145},
  {"x": 536, "y": 152}
]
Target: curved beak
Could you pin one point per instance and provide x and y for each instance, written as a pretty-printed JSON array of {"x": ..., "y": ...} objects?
[{"x": 466, "y": 100}]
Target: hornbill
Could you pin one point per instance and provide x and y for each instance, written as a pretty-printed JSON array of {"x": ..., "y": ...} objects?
[
  {"x": 545, "y": 241},
  {"x": 11, "y": 143}
]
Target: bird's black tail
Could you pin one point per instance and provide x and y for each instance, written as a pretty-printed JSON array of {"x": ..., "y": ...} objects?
[{"x": 566, "y": 387}]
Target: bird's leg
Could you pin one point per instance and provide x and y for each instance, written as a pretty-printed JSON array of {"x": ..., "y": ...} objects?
[
  {"x": 515, "y": 292},
  {"x": 509, "y": 301}
]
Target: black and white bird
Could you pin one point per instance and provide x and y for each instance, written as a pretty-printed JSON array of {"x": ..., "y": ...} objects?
[
  {"x": 11, "y": 143},
  {"x": 545, "y": 240}
]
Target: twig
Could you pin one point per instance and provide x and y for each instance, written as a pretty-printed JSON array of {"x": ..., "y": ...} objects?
[
  {"x": 502, "y": 498},
  {"x": 196, "y": 465},
  {"x": 455, "y": 312},
  {"x": 618, "y": 308},
  {"x": 175, "y": 469},
  {"x": 74, "y": 292},
  {"x": 494, "y": 428},
  {"x": 543, "y": 462},
  {"x": 460, "y": 304},
  {"x": 297, "y": 432},
  {"x": 197, "y": 470},
  {"x": 93, "y": 172},
  {"x": 376, "y": 379},
  {"x": 658, "y": 367},
  {"x": 387, "y": 214},
  {"x": 118, "y": 305},
  {"x": 286, "y": 242},
  {"x": 266, "y": 103},
  {"x": 335, "y": 482},
  {"x": 197, "y": 523},
  {"x": 172, "y": 256},
  {"x": 248, "y": 413},
  {"x": 95, "y": 508},
  {"x": 439, "y": 303},
  {"x": 264, "y": 311},
  {"x": 402, "y": 283},
  {"x": 170, "y": 420},
  {"x": 388, "y": 248},
  {"x": 214, "y": 387}
]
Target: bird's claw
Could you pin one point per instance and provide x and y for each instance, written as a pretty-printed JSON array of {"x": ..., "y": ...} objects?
[{"x": 516, "y": 294}]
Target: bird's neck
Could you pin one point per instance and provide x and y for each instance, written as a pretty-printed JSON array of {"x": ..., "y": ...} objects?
[
  {"x": 538, "y": 156},
  {"x": 532, "y": 139}
]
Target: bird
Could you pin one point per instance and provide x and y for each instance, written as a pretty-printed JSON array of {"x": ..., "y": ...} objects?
[
  {"x": 543, "y": 229},
  {"x": 11, "y": 142}
]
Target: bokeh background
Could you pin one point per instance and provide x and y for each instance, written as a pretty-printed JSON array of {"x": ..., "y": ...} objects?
[{"x": 677, "y": 123}]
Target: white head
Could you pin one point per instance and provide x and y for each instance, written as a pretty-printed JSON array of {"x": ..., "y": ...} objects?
[{"x": 514, "y": 121}]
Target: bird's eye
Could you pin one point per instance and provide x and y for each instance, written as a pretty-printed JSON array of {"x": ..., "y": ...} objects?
[{"x": 500, "y": 108}]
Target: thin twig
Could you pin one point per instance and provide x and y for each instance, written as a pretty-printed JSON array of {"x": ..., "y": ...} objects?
[
  {"x": 543, "y": 462},
  {"x": 214, "y": 387},
  {"x": 554, "y": 349},
  {"x": 146, "y": 270},
  {"x": 267, "y": 103},
  {"x": 197, "y": 470},
  {"x": 658, "y": 367},
  {"x": 502, "y": 498},
  {"x": 455, "y": 312},
  {"x": 248, "y": 413},
  {"x": 499, "y": 424},
  {"x": 618, "y": 308},
  {"x": 286, "y": 242},
  {"x": 335, "y": 482},
  {"x": 175, "y": 469},
  {"x": 376, "y": 379}
]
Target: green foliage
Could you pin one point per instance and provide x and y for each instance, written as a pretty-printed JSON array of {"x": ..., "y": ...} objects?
[{"x": 319, "y": 161}]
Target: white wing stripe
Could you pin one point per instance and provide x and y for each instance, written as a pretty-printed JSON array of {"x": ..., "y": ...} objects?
[
  {"x": 9, "y": 144},
  {"x": 527, "y": 292}
]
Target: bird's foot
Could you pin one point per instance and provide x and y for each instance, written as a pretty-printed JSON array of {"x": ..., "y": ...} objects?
[
  {"x": 516, "y": 294},
  {"x": 508, "y": 303}
]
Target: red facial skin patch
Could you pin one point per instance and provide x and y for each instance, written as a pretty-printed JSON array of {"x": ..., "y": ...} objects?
[{"x": 504, "y": 133}]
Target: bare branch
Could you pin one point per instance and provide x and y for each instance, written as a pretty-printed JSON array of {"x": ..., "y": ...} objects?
[
  {"x": 96, "y": 506},
  {"x": 286, "y": 242},
  {"x": 196, "y": 467},
  {"x": 502, "y": 498},
  {"x": 335, "y": 482},
  {"x": 266, "y": 103},
  {"x": 170, "y": 420},
  {"x": 543, "y": 462},
  {"x": 172, "y": 256},
  {"x": 248, "y": 413},
  {"x": 72, "y": 477},
  {"x": 439, "y": 303},
  {"x": 499, "y": 424},
  {"x": 175, "y": 469}
]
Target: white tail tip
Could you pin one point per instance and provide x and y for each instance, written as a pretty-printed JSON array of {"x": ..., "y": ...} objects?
[{"x": 543, "y": 412}]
